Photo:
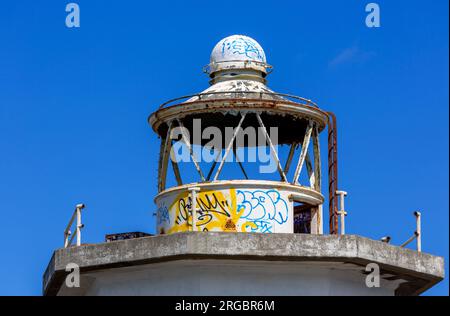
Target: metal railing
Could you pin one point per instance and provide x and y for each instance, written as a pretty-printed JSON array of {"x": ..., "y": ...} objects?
[
  {"x": 193, "y": 194},
  {"x": 417, "y": 234},
  {"x": 68, "y": 236},
  {"x": 258, "y": 95},
  {"x": 342, "y": 213}
]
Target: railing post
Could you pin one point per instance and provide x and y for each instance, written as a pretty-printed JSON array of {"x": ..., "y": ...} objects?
[
  {"x": 79, "y": 207},
  {"x": 66, "y": 238},
  {"x": 417, "y": 233},
  {"x": 194, "y": 191},
  {"x": 418, "y": 230},
  {"x": 76, "y": 215},
  {"x": 342, "y": 211}
]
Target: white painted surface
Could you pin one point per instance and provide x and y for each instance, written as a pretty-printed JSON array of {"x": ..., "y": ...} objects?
[
  {"x": 237, "y": 47},
  {"x": 232, "y": 277},
  {"x": 238, "y": 52}
]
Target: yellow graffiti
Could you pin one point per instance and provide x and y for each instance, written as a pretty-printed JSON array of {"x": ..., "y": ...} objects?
[{"x": 215, "y": 211}]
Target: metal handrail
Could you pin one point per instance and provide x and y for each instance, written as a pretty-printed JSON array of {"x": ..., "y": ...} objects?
[
  {"x": 342, "y": 212},
  {"x": 261, "y": 94},
  {"x": 193, "y": 194},
  {"x": 417, "y": 233},
  {"x": 68, "y": 236}
]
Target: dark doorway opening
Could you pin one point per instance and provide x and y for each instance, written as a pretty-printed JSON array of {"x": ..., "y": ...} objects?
[{"x": 302, "y": 218}]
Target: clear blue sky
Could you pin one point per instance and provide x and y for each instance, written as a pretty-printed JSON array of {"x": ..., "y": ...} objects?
[{"x": 74, "y": 104}]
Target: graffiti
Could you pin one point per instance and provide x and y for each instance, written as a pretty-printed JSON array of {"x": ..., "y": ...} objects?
[
  {"x": 228, "y": 210},
  {"x": 242, "y": 46},
  {"x": 216, "y": 210},
  {"x": 163, "y": 215},
  {"x": 208, "y": 204},
  {"x": 263, "y": 206},
  {"x": 261, "y": 227},
  {"x": 211, "y": 203}
]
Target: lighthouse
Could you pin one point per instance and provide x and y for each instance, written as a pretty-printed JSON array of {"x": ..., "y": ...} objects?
[
  {"x": 273, "y": 200},
  {"x": 239, "y": 208}
]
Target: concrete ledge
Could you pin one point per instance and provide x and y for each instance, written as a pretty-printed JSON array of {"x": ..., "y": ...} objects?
[{"x": 420, "y": 269}]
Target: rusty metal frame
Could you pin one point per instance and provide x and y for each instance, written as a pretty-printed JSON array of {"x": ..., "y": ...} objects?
[
  {"x": 287, "y": 166},
  {"x": 187, "y": 142},
  {"x": 311, "y": 173},
  {"x": 332, "y": 173},
  {"x": 175, "y": 168},
  {"x": 272, "y": 148},
  {"x": 303, "y": 153},
  {"x": 230, "y": 144},
  {"x": 264, "y": 102},
  {"x": 211, "y": 170},
  {"x": 164, "y": 155},
  {"x": 260, "y": 93},
  {"x": 224, "y": 105},
  {"x": 163, "y": 159},
  {"x": 317, "y": 160},
  {"x": 240, "y": 163},
  {"x": 234, "y": 152}
]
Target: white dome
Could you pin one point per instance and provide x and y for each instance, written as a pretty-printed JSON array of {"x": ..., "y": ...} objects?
[{"x": 237, "y": 48}]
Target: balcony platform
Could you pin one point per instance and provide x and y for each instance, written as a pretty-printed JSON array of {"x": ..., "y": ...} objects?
[{"x": 403, "y": 271}]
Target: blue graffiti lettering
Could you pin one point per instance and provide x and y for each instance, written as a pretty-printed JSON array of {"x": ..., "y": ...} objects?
[
  {"x": 163, "y": 215},
  {"x": 242, "y": 46},
  {"x": 261, "y": 227},
  {"x": 262, "y": 207}
]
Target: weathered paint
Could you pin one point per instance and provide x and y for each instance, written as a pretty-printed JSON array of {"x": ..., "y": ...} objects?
[
  {"x": 304, "y": 151},
  {"x": 237, "y": 47},
  {"x": 238, "y": 52},
  {"x": 227, "y": 105}
]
